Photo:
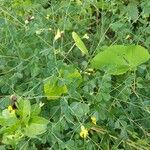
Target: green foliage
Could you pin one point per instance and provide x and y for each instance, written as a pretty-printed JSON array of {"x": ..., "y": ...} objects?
[
  {"x": 24, "y": 110},
  {"x": 133, "y": 11},
  {"x": 36, "y": 127},
  {"x": 118, "y": 59},
  {"x": 79, "y": 109},
  {"x": 102, "y": 94},
  {"x": 21, "y": 122},
  {"x": 53, "y": 89},
  {"x": 79, "y": 43},
  {"x": 56, "y": 86}
]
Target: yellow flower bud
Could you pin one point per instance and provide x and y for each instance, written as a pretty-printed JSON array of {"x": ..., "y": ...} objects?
[
  {"x": 128, "y": 37},
  {"x": 93, "y": 120},
  {"x": 10, "y": 108}
]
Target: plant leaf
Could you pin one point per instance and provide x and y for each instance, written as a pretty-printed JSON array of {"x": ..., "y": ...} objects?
[
  {"x": 118, "y": 59},
  {"x": 132, "y": 11},
  {"x": 37, "y": 126},
  {"x": 7, "y": 118},
  {"x": 24, "y": 110},
  {"x": 53, "y": 90},
  {"x": 79, "y": 109},
  {"x": 79, "y": 43},
  {"x": 136, "y": 55},
  {"x": 35, "y": 110}
]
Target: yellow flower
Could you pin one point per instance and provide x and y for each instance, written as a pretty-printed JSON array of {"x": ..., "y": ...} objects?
[
  {"x": 93, "y": 120},
  {"x": 11, "y": 110},
  {"x": 84, "y": 132}
]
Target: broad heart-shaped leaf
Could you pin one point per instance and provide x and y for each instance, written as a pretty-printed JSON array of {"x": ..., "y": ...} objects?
[
  {"x": 53, "y": 90},
  {"x": 37, "y": 126},
  {"x": 79, "y": 43},
  {"x": 118, "y": 59}
]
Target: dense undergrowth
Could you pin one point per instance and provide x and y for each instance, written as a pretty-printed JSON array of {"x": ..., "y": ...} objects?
[{"x": 79, "y": 73}]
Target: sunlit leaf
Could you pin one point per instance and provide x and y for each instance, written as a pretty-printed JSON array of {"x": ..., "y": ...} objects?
[
  {"x": 118, "y": 59},
  {"x": 37, "y": 126},
  {"x": 79, "y": 43},
  {"x": 53, "y": 90},
  {"x": 24, "y": 110}
]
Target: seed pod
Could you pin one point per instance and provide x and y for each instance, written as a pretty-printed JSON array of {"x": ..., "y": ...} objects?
[{"x": 13, "y": 99}]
